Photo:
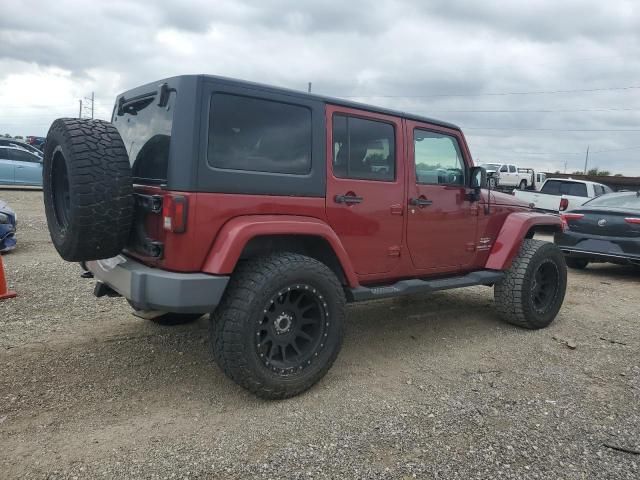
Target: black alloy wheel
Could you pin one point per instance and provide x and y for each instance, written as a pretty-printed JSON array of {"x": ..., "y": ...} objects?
[
  {"x": 545, "y": 286},
  {"x": 292, "y": 330}
]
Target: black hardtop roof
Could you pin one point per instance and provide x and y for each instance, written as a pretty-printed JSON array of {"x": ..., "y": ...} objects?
[{"x": 300, "y": 94}]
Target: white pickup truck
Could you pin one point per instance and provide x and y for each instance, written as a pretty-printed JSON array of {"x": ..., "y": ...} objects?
[
  {"x": 560, "y": 194},
  {"x": 509, "y": 176}
]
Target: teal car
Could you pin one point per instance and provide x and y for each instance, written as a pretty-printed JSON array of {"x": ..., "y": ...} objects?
[{"x": 20, "y": 167}]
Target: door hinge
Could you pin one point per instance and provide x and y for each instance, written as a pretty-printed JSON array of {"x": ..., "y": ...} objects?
[{"x": 394, "y": 251}]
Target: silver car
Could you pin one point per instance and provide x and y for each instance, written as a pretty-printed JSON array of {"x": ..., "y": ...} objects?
[{"x": 19, "y": 167}]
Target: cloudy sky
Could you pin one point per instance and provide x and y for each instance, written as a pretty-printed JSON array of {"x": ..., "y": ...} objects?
[{"x": 533, "y": 82}]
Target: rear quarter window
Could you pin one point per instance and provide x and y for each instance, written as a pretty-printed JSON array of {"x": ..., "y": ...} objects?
[
  {"x": 560, "y": 187},
  {"x": 258, "y": 135},
  {"x": 145, "y": 129}
]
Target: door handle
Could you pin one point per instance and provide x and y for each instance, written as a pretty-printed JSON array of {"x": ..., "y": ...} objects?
[
  {"x": 420, "y": 202},
  {"x": 348, "y": 199}
]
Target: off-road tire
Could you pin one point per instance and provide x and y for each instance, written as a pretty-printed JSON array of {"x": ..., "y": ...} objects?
[
  {"x": 514, "y": 295},
  {"x": 88, "y": 189},
  {"x": 576, "y": 263},
  {"x": 523, "y": 185},
  {"x": 253, "y": 286}
]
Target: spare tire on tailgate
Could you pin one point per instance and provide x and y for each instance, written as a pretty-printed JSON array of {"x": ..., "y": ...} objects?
[{"x": 88, "y": 189}]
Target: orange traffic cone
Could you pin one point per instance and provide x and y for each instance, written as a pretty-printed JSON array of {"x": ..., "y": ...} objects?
[{"x": 4, "y": 290}]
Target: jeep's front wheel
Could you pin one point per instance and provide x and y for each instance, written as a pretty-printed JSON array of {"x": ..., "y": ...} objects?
[
  {"x": 532, "y": 291},
  {"x": 279, "y": 327}
]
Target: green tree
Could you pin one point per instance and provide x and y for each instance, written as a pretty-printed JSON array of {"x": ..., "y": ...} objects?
[{"x": 596, "y": 171}]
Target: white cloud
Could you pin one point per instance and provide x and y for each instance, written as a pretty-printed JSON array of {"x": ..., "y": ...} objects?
[{"x": 358, "y": 48}]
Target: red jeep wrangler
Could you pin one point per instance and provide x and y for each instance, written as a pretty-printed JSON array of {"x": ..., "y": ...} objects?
[{"x": 271, "y": 209}]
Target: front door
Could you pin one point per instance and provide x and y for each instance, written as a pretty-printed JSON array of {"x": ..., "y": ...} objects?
[
  {"x": 441, "y": 225},
  {"x": 365, "y": 186}
]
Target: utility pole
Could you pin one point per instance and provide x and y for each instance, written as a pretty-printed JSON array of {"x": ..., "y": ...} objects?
[
  {"x": 90, "y": 108},
  {"x": 80, "y": 111},
  {"x": 586, "y": 160},
  {"x": 565, "y": 166},
  {"x": 309, "y": 89}
]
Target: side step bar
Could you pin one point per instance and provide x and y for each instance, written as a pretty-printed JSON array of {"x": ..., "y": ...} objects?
[{"x": 415, "y": 285}]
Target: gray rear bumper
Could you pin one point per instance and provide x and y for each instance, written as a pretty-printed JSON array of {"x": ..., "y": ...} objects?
[{"x": 155, "y": 289}]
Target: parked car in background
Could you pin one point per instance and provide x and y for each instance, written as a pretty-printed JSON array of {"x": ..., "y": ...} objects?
[
  {"x": 9, "y": 142},
  {"x": 540, "y": 178},
  {"x": 37, "y": 142},
  {"x": 8, "y": 221},
  {"x": 605, "y": 229},
  {"x": 20, "y": 167},
  {"x": 560, "y": 194},
  {"x": 509, "y": 176}
]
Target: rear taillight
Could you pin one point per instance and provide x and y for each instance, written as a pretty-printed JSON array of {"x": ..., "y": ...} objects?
[
  {"x": 633, "y": 220},
  {"x": 569, "y": 216},
  {"x": 174, "y": 213},
  {"x": 564, "y": 204}
]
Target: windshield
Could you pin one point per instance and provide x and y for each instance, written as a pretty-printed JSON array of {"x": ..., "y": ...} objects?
[
  {"x": 617, "y": 200},
  {"x": 491, "y": 166}
]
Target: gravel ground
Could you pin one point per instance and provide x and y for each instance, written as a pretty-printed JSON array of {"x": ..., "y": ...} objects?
[{"x": 428, "y": 386}]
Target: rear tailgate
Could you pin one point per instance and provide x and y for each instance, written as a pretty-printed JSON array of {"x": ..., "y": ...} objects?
[{"x": 541, "y": 201}]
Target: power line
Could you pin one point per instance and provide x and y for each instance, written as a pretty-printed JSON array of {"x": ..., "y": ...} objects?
[
  {"x": 540, "y": 92},
  {"x": 581, "y": 110},
  {"x": 579, "y": 153},
  {"x": 554, "y": 129}
]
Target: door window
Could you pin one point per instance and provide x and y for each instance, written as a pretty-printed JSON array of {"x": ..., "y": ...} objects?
[
  {"x": 504, "y": 169},
  {"x": 363, "y": 149},
  {"x": 438, "y": 159},
  {"x": 512, "y": 169}
]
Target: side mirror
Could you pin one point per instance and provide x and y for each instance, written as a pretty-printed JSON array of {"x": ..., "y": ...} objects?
[{"x": 478, "y": 178}]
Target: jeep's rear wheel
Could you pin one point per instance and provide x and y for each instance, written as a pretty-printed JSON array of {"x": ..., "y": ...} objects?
[
  {"x": 279, "y": 327},
  {"x": 88, "y": 189},
  {"x": 533, "y": 289}
]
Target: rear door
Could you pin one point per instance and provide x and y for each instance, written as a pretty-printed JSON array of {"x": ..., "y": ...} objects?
[
  {"x": 441, "y": 221},
  {"x": 365, "y": 186},
  {"x": 6, "y": 167}
]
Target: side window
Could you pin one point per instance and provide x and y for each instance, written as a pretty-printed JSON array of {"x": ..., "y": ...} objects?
[
  {"x": 23, "y": 156},
  {"x": 512, "y": 169},
  {"x": 598, "y": 190},
  {"x": 259, "y": 135},
  {"x": 504, "y": 169},
  {"x": 438, "y": 159},
  {"x": 363, "y": 149}
]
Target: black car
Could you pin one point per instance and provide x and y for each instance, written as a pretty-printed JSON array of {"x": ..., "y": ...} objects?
[{"x": 605, "y": 229}]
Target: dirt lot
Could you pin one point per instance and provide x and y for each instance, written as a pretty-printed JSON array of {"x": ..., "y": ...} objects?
[{"x": 427, "y": 386}]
